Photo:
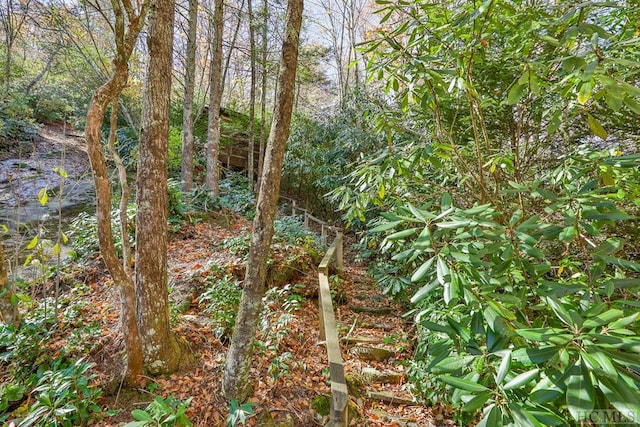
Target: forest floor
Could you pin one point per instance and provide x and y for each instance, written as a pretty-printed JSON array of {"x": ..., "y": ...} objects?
[
  {"x": 283, "y": 388},
  {"x": 290, "y": 369}
]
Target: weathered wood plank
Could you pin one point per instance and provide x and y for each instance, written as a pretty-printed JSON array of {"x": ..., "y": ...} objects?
[{"x": 388, "y": 396}]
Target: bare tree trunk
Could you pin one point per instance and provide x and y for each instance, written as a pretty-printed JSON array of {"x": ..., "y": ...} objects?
[
  {"x": 232, "y": 46},
  {"x": 108, "y": 92},
  {"x": 215, "y": 95},
  {"x": 8, "y": 312},
  {"x": 235, "y": 383},
  {"x": 42, "y": 73},
  {"x": 263, "y": 92},
  {"x": 187, "y": 111},
  {"x": 252, "y": 95},
  {"x": 161, "y": 349}
]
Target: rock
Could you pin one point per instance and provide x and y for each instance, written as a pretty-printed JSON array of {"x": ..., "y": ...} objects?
[
  {"x": 372, "y": 353},
  {"x": 374, "y": 376}
]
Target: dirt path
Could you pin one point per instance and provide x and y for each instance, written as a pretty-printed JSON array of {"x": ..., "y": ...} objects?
[{"x": 376, "y": 345}]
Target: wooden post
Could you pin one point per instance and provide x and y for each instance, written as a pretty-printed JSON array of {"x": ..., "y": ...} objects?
[
  {"x": 293, "y": 208},
  {"x": 306, "y": 218},
  {"x": 329, "y": 334},
  {"x": 323, "y": 234}
]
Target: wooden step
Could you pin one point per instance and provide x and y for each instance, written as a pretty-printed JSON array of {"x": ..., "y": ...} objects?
[
  {"x": 378, "y": 354},
  {"x": 359, "y": 339},
  {"x": 392, "y": 397},
  {"x": 381, "y": 311},
  {"x": 374, "y": 376}
]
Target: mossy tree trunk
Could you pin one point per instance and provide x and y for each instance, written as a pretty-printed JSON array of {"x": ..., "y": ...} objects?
[
  {"x": 161, "y": 348},
  {"x": 236, "y": 374}
]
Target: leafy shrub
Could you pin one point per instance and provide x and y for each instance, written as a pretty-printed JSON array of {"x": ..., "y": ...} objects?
[
  {"x": 533, "y": 318},
  {"x": 174, "y": 160},
  {"x": 239, "y": 413},
  {"x": 222, "y": 299},
  {"x": 24, "y": 350},
  {"x": 291, "y": 231},
  {"x": 64, "y": 397},
  {"x": 235, "y": 195},
  {"x": 512, "y": 238},
  {"x": 16, "y": 120},
  {"x": 177, "y": 208},
  {"x": 83, "y": 232},
  {"x": 168, "y": 412}
]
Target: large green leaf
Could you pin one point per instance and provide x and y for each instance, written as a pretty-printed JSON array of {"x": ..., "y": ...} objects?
[
  {"x": 522, "y": 379},
  {"x": 492, "y": 417},
  {"x": 603, "y": 318},
  {"x": 462, "y": 384},
  {"x": 402, "y": 234},
  {"x": 504, "y": 368},
  {"x": 522, "y": 416},
  {"x": 422, "y": 270},
  {"x": 623, "y": 397},
  {"x": 477, "y": 401},
  {"x": 579, "y": 392}
]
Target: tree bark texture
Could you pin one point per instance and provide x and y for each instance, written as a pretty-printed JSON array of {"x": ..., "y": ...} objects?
[
  {"x": 8, "y": 312},
  {"x": 108, "y": 92},
  {"x": 252, "y": 95},
  {"x": 263, "y": 91},
  {"x": 187, "y": 110},
  {"x": 160, "y": 347},
  {"x": 236, "y": 374},
  {"x": 215, "y": 99}
]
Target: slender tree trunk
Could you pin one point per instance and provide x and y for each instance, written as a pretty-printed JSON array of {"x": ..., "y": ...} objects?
[
  {"x": 8, "y": 312},
  {"x": 161, "y": 349},
  {"x": 95, "y": 117},
  {"x": 215, "y": 95},
  {"x": 236, "y": 374},
  {"x": 252, "y": 96},
  {"x": 42, "y": 73},
  {"x": 125, "y": 39},
  {"x": 263, "y": 91},
  {"x": 187, "y": 110},
  {"x": 232, "y": 46}
]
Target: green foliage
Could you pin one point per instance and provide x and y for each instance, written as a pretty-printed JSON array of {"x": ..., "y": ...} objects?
[
  {"x": 168, "y": 412},
  {"x": 235, "y": 195},
  {"x": 83, "y": 232},
  {"x": 176, "y": 207},
  {"x": 290, "y": 231},
  {"x": 9, "y": 394},
  {"x": 221, "y": 299},
  {"x": 174, "y": 160},
  {"x": 16, "y": 120},
  {"x": 279, "y": 307},
  {"x": 511, "y": 234},
  {"x": 24, "y": 350},
  {"x": 64, "y": 397},
  {"x": 239, "y": 413},
  {"x": 319, "y": 150}
]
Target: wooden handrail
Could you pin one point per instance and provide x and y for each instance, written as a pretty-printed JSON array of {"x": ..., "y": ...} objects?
[{"x": 329, "y": 334}]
